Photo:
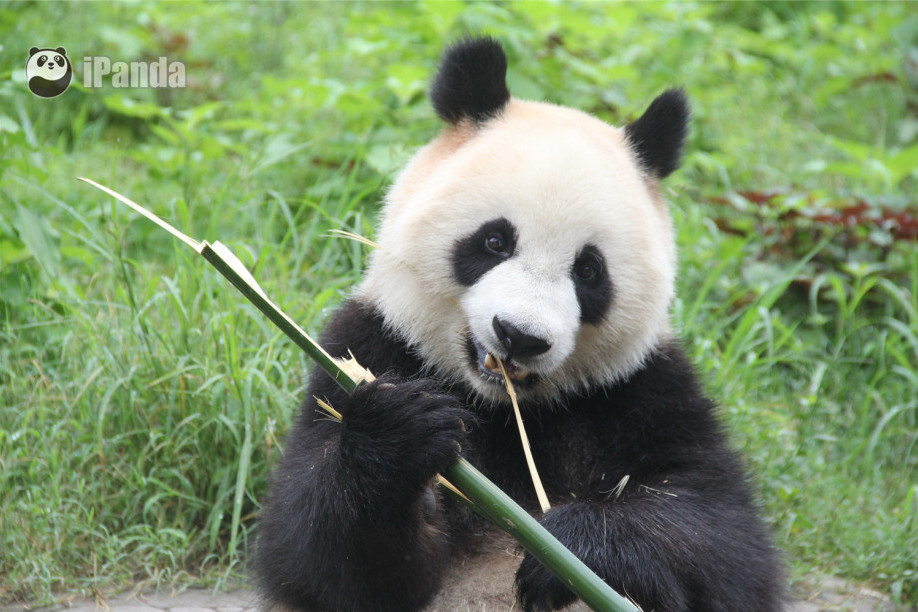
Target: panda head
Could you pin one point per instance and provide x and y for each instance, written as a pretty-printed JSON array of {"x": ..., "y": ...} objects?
[
  {"x": 528, "y": 232},
  {"x": 48, "y": 71}
]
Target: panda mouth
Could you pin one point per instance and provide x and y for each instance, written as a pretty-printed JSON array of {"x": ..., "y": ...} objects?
[{"x": 489, "y": 366}]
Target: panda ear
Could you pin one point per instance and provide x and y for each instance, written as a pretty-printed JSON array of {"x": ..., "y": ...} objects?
[
  {"x": 61, "y": 51},
  {"x": 33, "y": 51},
  {"x": 658, "y": 135},
  {"x": 471, "y": 82}
]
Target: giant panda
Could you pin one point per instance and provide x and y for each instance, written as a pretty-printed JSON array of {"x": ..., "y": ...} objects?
[{"x": 538, "y": 235}]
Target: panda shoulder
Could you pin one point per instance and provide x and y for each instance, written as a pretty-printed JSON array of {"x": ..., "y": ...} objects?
[
  {"x": 357, "y": 328},
  {"x": 665, "y": 387}
]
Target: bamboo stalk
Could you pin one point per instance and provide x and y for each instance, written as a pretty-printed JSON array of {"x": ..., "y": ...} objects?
[
  {"x": 503, "y": 512},
  {"x": 484, "y": 495}
]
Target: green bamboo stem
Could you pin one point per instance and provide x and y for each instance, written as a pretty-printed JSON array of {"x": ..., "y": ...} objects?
[
  {"x": 280, "y": 319},
  {"x": 503, "y": 512},
  {"x": 484, "y": 495}
]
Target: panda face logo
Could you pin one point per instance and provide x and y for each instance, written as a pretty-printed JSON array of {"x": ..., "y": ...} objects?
[{"x": 48, "y": 72}]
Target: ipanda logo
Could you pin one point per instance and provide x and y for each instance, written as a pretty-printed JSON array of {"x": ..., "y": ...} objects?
[
  {"x": 49, "y": 72},
  {"x": 161, "y": 73}
]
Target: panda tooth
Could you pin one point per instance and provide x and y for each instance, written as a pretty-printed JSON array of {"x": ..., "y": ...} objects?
[
  {"x": 490, "y": 363},
  {"x": 518, "y": 373}
]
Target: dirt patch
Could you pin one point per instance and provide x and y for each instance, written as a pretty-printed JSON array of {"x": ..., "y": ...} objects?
[{"x": 819, "y": 593}]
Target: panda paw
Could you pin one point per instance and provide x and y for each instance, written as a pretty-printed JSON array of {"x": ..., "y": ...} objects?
[
  {"x": 399, "y": 431},
  {"x": 538, "y": 590}
]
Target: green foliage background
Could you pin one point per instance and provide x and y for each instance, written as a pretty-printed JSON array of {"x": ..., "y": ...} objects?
[{"x": 142, "y": 401}]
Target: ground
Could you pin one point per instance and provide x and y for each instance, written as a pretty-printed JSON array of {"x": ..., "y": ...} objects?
[{"x": 816, "y": 595}]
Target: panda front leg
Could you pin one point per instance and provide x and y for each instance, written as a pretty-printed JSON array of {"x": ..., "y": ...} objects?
[
  {"x": 672, "y": 551},
  {"x": 352, "y": 522}
]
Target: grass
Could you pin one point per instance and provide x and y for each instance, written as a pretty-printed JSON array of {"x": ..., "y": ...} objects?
[
  {"x": 819, "y": 387},
  {"x": 142, "y": 402}
]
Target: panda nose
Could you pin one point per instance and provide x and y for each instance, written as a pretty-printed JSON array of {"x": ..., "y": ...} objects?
[{"x": 517, "y": 342}]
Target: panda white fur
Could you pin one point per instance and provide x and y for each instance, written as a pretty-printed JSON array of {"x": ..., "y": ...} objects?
[{"x": 537, "y": 234}]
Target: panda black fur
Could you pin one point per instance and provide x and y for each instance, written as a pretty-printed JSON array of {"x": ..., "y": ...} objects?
[{"x": 536, "y": 234}]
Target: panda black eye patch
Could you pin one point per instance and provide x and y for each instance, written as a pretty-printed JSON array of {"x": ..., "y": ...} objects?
[
  {"x": 492, "y": 243},
  {"x": 592, "y": 283}
]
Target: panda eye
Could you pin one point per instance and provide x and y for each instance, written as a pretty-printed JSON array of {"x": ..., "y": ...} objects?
[
  {"x": 593, "y": 284},
  {"x": 587, "y": 270},
  {"x": 42, "y": 60},
  {"x": 496, "y": 243},
  {"x": 588, "y": 267},
  {"x": 59, "y": 60},
  {"x": 493, "y": 243}
]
